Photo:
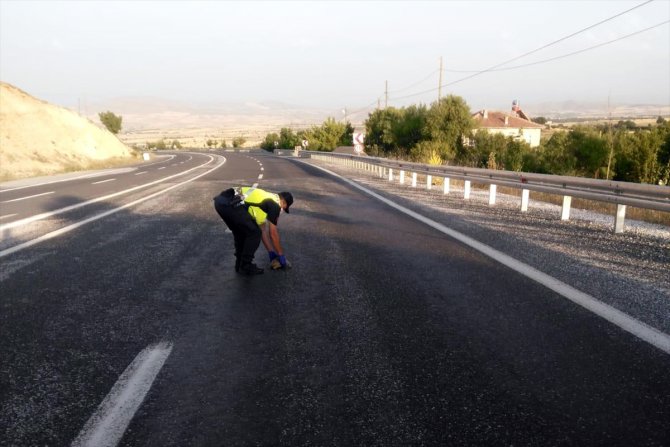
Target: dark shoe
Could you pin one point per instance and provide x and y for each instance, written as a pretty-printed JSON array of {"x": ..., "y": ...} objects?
[{"x": 250, "y": 269}]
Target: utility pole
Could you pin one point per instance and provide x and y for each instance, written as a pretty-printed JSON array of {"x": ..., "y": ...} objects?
[
  {"x": 609, "y": 138},
  {"x": 439, "y": 86},
  {"x": 386, "y": 95},
  {"x": 379, "y": 103}
]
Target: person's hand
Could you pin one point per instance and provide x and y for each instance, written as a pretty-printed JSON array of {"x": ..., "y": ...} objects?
[
  {"x": 272, "y": 255},
  {"x": 282, "y": 260}
]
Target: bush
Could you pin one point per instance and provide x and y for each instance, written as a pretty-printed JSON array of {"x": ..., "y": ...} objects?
[
  {"x": 110, "y": 121},
  {"x": 239, "y": 141}
]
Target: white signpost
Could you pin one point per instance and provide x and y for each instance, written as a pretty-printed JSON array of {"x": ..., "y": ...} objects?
[{"x": 359, "y": 139}]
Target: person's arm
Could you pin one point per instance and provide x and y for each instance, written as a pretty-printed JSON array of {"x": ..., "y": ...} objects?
[
  {"x": 265, "y": 237},
  {"x": 274, "y": 238}
]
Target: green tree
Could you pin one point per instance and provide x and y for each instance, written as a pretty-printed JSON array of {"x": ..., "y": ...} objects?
[
  {"x": 270, "y": 142},
  {"x": 556, "y": 156},
  {"x": 111, "y": 121},
  {"x": 410, "y": 128},
  {"x": 449, "y": 121},
  {"x": 327, "y": 136},
  {"x": 288, "y": 139},
  {"x": 347, "y": 137},
  {"x": 380, "y": 137},
  {"x": 590, "y": 150},
  {"x": 223, "y": 144}
]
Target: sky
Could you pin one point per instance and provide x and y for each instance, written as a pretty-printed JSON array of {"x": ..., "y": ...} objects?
[{"x": 337, "y": 54}]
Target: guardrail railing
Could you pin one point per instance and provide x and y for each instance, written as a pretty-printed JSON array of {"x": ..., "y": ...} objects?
[{"x": 620, "y": 193}]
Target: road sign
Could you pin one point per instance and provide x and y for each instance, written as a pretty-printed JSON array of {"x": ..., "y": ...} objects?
[
  {"x": 305, "y": 143},
  {"x": 359, "y": 138}
]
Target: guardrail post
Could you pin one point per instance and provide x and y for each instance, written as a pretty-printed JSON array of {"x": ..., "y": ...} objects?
[
  {"x": 429, "y": 182},
  {"x": 413, "y": 179},
  {"x": 620, "y": 217},
  {"x": 565, "y": 212},
  {"x": 446, "y": 185},
  {"x": 402, "y": 177},
  {"x": 525, "y": 194},
  {"x": 466, "y": 190},
  {"x": 492, "y": 194},
  {"x": 390, "y": 174}
]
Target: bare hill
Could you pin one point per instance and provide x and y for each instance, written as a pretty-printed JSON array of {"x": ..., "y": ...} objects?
[{"x": 38, "y": 138}]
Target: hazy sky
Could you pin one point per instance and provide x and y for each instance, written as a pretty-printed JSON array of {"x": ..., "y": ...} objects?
[{"x": 334, "y": 54}]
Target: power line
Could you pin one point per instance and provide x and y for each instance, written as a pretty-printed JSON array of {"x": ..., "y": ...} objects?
[
  {"x": 537, "y": 62},
  {"x": 494, "y": 67},
  {"x": 416, "y": 83},
  {"x": 571, "y": 35}
]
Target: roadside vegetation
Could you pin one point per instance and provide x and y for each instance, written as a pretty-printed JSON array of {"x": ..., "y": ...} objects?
[{"x": 444, "y": 133}]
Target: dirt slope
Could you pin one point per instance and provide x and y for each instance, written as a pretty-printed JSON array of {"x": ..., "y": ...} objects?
[{"x": 38, "y": 138}]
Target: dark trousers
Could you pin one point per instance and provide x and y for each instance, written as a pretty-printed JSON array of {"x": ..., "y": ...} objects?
[{"x": 245, "y": 231}]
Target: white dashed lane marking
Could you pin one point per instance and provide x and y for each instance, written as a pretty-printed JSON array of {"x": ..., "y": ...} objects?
[{"x": 28, "y": 197}]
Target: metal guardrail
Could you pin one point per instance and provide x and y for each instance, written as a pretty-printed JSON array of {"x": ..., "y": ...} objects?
[{"x": 620, "y": 193}]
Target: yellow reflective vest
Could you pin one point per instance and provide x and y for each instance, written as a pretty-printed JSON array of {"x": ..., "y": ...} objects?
[{"x": 257, "y": 196}]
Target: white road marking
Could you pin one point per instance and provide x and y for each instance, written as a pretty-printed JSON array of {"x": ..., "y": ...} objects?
[
  {"x": 6, "y": 216},
  {"x": 260, "y": 176},
  {"x": 629, "y": 324},
  {"x": 106, "y": 426},
  {"x": 162, "y": 167},
  {"x": 76, "y": 225},
  {"x": 29, "y": 197},
  {"x": 37, "y": 217},
  {"x": 89, "y": 175},
  {"x": 143, "y": 172},
  {"x": 262, "y": 169},
  {"x": 103, "y": 181}
]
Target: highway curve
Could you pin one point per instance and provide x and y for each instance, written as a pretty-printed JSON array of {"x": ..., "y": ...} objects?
[{"x": 384, "y": 332}]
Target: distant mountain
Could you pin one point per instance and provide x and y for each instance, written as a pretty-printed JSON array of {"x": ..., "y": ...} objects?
[
  {"x": 142, "y": 113},
  {"x": 575, "y": 109}
]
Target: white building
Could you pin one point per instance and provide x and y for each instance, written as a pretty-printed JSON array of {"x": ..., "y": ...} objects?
[{"x": 509, "y": 126}]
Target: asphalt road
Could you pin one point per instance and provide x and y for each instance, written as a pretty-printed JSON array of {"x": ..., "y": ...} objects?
[{"x": 384, "y": 332}]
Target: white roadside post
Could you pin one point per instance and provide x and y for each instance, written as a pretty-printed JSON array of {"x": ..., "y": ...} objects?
[
  {"x": 565, "y": 211},
  {"x": 413, "y": 179},
  {"x": 429, "y": 182},
  {"x": 620, "y": 217},
  {"x": 466, "y": 190},
  {"x": 492, "y": 194},
  {"x": 390, "y": 174},
  {"x": 446, "y": 185},
  {"x": 402, "y": 177},
  {"x": 525, "y": 194}
]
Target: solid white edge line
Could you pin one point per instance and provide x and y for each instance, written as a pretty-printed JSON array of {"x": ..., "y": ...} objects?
[
  {"x": 37, "y": 217},
  {"x": 624, "y": 321},
  {"x": 7, "y": 216},
  {"x": 106, "y": 426},
  {"x": 28, "y": 197},
  {"x": 81, "y": 223}
]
